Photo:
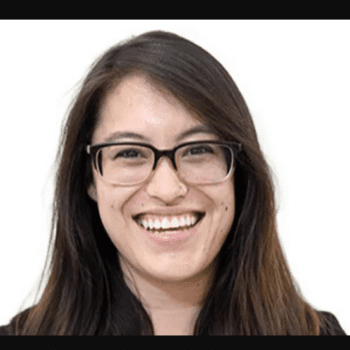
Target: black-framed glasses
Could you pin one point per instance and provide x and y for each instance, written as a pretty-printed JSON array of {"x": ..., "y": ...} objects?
[{"x": 132, "y": 163}]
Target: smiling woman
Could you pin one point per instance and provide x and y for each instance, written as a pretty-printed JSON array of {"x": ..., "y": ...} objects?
[
  {"x": 155, "y": 195},
  {"x": 164, "y": 219}
]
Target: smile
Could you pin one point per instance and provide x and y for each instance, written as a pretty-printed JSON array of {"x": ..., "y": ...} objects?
[{"x": 168, "y": 223}]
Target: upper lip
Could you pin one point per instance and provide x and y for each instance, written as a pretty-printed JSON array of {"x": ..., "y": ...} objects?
[{"x": 168, "y": 212}]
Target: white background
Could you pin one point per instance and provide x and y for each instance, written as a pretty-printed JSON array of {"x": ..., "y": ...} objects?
[{"x": 295, "y": 77}]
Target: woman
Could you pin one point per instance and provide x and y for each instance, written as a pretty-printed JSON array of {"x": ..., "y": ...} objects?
[{"x": 164, "y": 216}]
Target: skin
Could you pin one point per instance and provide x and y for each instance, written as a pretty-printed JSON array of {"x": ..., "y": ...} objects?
[{"x": 170, "y": 278}]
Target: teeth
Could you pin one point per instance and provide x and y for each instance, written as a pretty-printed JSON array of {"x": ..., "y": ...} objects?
[
  {"x": 174, "y": 223},
  {"x": 168, "y": 223},
  {"x": 144, "y": 223},
  {"x": 165, "y": 224},
  {"x": 156, "y": 225}
]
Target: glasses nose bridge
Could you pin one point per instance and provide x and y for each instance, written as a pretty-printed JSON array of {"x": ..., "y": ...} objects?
[{"x": 165, "y": 153}]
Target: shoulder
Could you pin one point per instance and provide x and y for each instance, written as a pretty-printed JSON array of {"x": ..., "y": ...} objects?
[
  {"x": 330, "y": 325},
  {"x": 5, "y": 330},
  {"x": 9, "y": 328}
]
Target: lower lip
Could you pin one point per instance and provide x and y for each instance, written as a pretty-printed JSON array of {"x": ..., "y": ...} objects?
[{"x": 171, "y": 236}]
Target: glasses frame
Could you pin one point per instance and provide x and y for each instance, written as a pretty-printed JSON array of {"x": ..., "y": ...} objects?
[{"x": 170, "y": 153}]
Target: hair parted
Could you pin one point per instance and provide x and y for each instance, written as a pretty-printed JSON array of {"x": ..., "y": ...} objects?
[{"x": 253, "y": 292}]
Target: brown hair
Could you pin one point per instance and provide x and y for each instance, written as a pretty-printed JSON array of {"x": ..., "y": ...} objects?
[{"x": 253, "y": 292}]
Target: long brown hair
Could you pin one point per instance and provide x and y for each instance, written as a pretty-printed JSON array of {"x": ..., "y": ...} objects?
[{"x": 253, "y": 292}]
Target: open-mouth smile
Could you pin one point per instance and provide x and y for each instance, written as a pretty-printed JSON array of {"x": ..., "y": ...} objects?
[{"x": 169, "y": 223}]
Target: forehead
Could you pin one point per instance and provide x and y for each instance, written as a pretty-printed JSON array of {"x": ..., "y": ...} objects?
[{"x": 136, "y": 106}]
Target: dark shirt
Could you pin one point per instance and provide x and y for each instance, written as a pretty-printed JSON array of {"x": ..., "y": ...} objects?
[{"x": 332, "y": 326}]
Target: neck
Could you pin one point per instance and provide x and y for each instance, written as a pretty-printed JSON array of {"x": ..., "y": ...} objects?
[{"x": 172, "y": 305}]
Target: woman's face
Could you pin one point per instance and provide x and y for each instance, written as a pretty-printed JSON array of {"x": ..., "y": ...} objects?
[{"x": 134, "y": 106}]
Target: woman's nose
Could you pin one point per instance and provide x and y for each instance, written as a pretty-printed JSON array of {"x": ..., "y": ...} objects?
[{"x": 165, "y": 183}]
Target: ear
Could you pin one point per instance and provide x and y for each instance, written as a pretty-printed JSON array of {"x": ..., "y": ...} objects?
[{"x": 92, "y": 192}]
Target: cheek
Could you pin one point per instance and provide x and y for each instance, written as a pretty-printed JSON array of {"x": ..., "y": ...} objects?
[
  {"x": 226, "y": 210},
  {"x": 112, "y": 202},
  {"x": 222, "y": 211},
  {"x": 114, "y": 211},
  {"x": 108, "y": 208}
]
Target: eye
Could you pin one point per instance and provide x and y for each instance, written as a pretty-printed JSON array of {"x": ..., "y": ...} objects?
[
  {"x": 201, "y": 149},
  {"x": 128, "y": 154}
]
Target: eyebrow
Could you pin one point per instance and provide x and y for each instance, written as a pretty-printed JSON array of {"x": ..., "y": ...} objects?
[
  {"x": 125, "y": 135},
  {"x": 200, "y": 129}
]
